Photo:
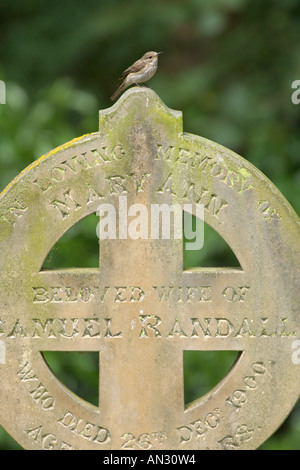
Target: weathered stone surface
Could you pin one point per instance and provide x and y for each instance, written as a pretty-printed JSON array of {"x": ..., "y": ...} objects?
[{"x": 142, "y": 153}]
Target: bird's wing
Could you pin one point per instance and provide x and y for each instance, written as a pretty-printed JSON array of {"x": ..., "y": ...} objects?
[{"x": 133, "y": 68}]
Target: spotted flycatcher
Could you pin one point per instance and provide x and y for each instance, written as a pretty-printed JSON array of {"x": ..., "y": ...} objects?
[{"x": 139, "y": 72}]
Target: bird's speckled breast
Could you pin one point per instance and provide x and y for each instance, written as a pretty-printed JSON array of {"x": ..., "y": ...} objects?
[{"x": 145, "y": 74}]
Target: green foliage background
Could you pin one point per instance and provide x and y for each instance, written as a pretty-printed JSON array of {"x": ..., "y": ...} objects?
[{"x": 227, "y": 64}]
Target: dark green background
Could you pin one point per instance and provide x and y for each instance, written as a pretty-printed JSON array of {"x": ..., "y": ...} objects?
[{"x": 228, "y": 65}]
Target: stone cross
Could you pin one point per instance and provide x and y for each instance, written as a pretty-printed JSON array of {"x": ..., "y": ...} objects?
[{"x": 140, "y": 309}]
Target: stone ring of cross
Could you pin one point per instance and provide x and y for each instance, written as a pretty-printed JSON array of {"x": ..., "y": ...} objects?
[{"x": 148, "y": 309}]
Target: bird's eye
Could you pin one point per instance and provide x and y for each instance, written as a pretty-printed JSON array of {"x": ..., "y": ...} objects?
[{"x": 150, "y": 57}]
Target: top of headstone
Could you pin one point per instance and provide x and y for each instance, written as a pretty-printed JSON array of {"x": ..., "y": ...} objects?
[{"x": 137, "y": 102}]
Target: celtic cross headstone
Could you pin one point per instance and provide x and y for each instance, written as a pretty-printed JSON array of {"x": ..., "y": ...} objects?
[{"x": 148, "y": 309}]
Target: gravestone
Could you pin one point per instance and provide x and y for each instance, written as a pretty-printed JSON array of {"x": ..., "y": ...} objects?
[{"x": 142, "y": 310}]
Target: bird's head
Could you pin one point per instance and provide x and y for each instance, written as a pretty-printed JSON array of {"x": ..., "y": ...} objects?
[{"x": 151, "y": 57}]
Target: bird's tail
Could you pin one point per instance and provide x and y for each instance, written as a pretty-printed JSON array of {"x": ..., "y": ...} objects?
[{"x": 118, "y": 91}]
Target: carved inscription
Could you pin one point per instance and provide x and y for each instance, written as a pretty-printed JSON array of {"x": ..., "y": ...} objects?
[
  {"x": 13, "y": 212},
  {"x": 81, "y": 427},
  {"x": 75, "y": 164},
  {"x": 250, "y": 383},
  {"x": 200, "y": 194},
  {"x": 150, "y": 325},
  {"x": 143, "y": 441},
  {"x": 85, "y": 294},
  {"x": 267, "y": 210},
  {"x": 35, "y": 388},
  {"x": 238, "y": 181},
  {"x": 85, "y": 429},
  {"x": 67, "y": 202},
  {"x": 178, "y": 294},
  {"x": 200, "y": 427},
  {"x": 243, "y": 433},
  {"x": 47, "y": 440},
  {"x": 235, "y": 294}
]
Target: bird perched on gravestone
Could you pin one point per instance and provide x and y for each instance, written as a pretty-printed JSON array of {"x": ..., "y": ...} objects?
[{"x": 139, "y": 72}]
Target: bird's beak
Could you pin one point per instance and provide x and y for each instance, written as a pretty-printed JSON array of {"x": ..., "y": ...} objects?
[{"x": 158, "y": 53}]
